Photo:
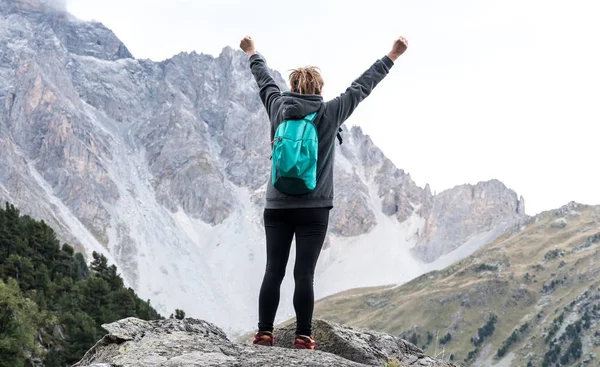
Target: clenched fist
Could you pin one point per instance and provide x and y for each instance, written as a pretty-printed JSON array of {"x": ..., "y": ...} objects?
[
  {"x": 247, "y": 45},
  {"x": 400, "y": 45}
]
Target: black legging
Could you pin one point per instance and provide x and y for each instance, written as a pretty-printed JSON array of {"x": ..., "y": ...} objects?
[{"x": 310, "y": 228}]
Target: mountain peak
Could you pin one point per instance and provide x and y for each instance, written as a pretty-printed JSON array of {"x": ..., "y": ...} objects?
[
  {"x": 228, "y": 50},
  {"x": 480, "y": 208},
  {"x": 49, "y": 20}
]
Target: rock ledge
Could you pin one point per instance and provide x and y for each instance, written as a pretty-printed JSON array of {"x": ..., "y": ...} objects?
[{"x": 190, "y": 342}]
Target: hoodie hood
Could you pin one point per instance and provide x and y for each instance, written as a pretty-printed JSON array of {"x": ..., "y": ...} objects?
[{"x": 295, "y": 105}]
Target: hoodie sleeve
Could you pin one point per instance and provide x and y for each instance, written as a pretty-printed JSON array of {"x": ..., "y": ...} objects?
[
  {"x": 269, "y": 90},
  {"x": 360, "y": 89}
]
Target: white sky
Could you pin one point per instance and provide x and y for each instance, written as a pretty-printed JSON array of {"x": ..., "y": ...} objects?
[{"x": 506, "y": 89}]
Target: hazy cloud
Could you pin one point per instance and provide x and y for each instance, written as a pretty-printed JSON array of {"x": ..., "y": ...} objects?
[{"x": 56, "y": 5}]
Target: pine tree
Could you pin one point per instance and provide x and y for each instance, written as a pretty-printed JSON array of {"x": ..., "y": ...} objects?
[
  {"x": 3, "y": 237},
  {"x": 95, "y": 293},
  {"x": 19, "y": 319},
  {"x": 11, "y": 220},
  {"x": 82, "y": 333},
  {"x": 145, "y": 311},
  {"x": 113, "y": 278},
  {"x": 54, "y": 358},
  {"x": 19, "y": 268},
  {"x": 65, "y": 266},
  {"x": 82, "y": 269},
  {"x": 38, "y": 277},
  {"x": 122, "y": 303},
  {"x": 99, "y": 264}
]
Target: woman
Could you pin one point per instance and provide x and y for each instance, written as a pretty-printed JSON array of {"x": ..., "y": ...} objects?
[{"x": 305, "y": 216}]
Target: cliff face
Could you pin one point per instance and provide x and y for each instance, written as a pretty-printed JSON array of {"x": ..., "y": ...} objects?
[{"x": 461, "y": 212}]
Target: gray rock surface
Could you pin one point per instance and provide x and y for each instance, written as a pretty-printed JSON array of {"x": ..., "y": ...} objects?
[
  {"x": 364, "y": 346},
  {"x": 189, "y": 342},
  {"x": 352, "y": 214},
  {"x": 398, "y": 193}
]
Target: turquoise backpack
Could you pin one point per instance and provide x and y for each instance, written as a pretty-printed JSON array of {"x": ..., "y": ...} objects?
[{"x": 295, "y": 150}]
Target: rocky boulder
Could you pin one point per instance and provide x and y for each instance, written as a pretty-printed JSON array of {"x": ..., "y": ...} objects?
[
  {"x": 190, "y": 342},
  {"x": 367, "y": 347}
]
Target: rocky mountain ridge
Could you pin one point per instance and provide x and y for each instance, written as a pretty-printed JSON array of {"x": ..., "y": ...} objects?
[{"x": 162, "y": 167}]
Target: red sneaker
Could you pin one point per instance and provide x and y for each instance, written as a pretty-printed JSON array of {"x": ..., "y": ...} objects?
[
  {"x": 263, "y": 338},
  {"x": 304, "y": 342}
]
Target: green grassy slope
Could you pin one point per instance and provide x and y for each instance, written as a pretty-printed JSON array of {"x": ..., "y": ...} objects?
[{"x": 526, "y": 279}]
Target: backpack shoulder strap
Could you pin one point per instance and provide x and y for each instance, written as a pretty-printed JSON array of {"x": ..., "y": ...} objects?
[{"x": 311, "y": 117}]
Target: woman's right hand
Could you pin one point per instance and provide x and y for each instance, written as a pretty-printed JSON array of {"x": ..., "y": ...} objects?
[
  {"x": 247, "y": 45},
  {"x": 399, "y": 47}
]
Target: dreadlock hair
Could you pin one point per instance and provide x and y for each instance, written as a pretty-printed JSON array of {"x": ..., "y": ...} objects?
[{"x": 306, "y": 80}]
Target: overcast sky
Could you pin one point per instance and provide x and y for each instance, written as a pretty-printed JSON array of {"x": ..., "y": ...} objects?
[{"x": 506, "y": 89}]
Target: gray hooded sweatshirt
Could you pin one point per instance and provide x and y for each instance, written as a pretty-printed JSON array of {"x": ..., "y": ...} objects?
[{"x": 287, "y": 105}]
